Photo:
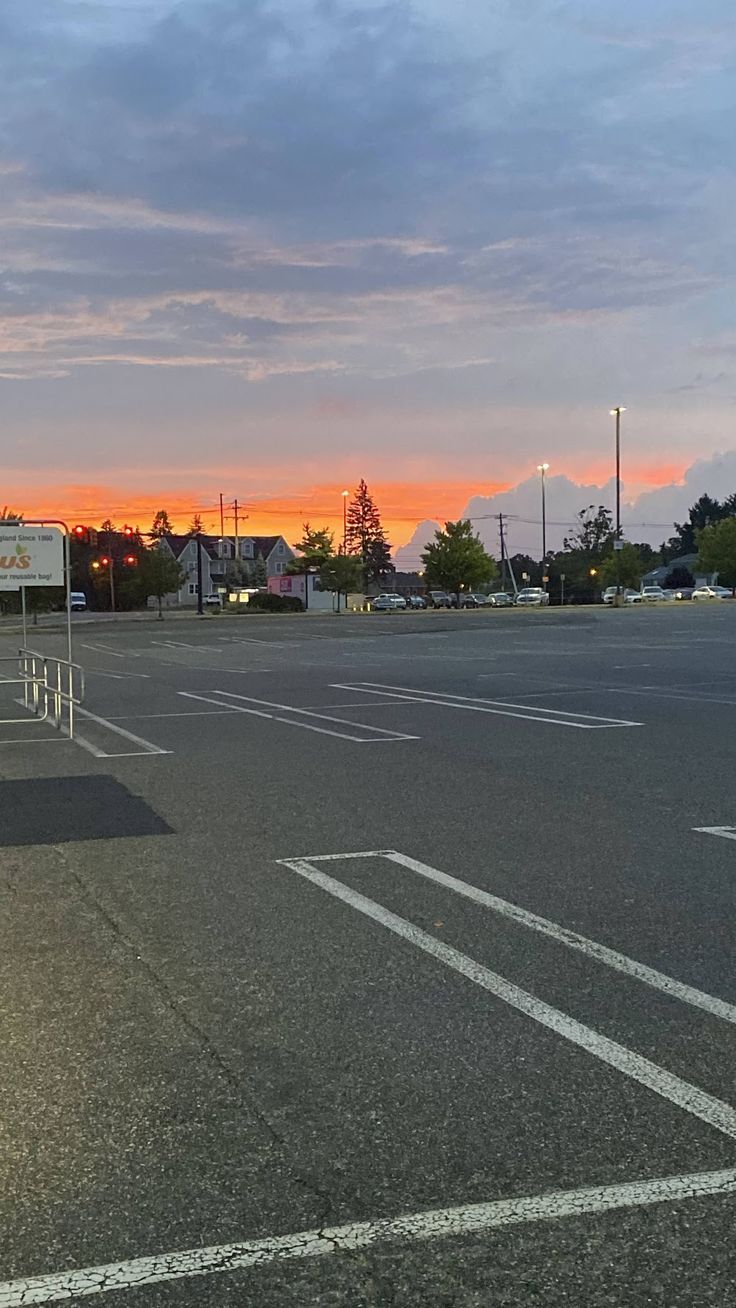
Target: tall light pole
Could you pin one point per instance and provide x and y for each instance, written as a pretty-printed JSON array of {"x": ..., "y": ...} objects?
[
  {"x": 616, "y": 413},
  {"x": 544, "y": 469},
  {"x": 345, "y": 521}
]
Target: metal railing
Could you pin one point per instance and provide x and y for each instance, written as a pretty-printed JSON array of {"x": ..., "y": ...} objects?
[{"x": 51, "y": 688}]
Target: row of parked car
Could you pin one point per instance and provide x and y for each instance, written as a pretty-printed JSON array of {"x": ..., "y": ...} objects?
[
  {"x": 656, "y": 594},
  {"x": 440, "y": 599}
]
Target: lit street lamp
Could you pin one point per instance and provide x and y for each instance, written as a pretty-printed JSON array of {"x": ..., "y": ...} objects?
[{"x": 544, "y": 469}]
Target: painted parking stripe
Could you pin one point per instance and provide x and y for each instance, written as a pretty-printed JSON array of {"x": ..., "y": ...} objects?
[
  {"x": 378, "y": 732},
  {"x": 147, "y": 747},
  {"x": 728, "y": 833},
  {"x": 413, "y": 1228},
  {"x": 714, "y": 1112},
  {"x": 498, "y": 707},
  {"x": 572, "y": 939},
  {"x": 383, "y": 738}
]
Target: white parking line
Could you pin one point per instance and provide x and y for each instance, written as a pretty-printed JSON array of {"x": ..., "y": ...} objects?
[
  {"x": 498, "y": 707},
  {"x": 693, "y": 1100},
  {"x": 601, "y": 953},
  {"x": 437, "y": 1224},
  {"x": 380, "y": 734},
  {"x": 728, "y": 833},
  {"x": 104, "y": 649},
  {"x": 148, "y": 747}
]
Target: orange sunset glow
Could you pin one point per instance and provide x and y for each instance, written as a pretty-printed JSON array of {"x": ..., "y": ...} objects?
[{"x": 402, "y": 506}]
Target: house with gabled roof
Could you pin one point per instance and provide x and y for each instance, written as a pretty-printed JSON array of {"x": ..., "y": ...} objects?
[{"x": 217, "y": 553}]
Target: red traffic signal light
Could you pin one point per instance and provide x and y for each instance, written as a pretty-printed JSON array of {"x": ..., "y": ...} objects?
[
  {"x": 128, "y": 531},
  {"x": 81, "y": 533},
  {"x": 105, "y": 560},
  {"x": 130, "y": 560}
]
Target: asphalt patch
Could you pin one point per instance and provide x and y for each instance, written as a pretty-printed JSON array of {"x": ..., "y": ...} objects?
[{"x": 58, "y": 810}]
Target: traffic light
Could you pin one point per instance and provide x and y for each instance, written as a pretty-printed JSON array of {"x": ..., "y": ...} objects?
[
  {"x": 128, "y": 532},
  {"x": 130, "y": 560},
  {"x": 81, "y": 533},
  {"x": 105, "y": 561}
]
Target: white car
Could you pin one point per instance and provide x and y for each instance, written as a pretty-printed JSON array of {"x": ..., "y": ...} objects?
[
  {"x": 652, "y": 595},
  {"x": 712, "y": 593},
  {"x": 386, "y": 603},
  {"x": 629, "y": 596},
  {"x": 532, "y": 595}
]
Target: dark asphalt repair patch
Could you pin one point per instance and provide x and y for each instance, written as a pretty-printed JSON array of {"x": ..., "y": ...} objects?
[{"x": 57, "y": 810}]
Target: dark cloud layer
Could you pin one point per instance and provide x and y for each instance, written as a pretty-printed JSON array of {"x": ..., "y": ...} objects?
[{"x": 535, "y": 194}]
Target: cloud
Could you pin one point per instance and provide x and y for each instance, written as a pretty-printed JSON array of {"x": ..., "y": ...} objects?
[
  {"x": 480, "y": 220},
  {"x": 650, "y": 516}
]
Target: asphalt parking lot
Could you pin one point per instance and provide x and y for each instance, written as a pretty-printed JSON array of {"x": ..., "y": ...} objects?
[{"x": 380, "y": 960}]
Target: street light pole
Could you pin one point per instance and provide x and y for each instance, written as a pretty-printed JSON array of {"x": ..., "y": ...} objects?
[
  {"x": 616, "y": 413},
  {"x": 544, "y": 468},
  {"x": 345, "y": 521}
]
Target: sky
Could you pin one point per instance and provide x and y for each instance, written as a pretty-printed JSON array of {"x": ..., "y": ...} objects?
[{"x": 269, "y": 247}]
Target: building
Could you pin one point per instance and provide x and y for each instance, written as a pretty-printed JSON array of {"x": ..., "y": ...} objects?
[{"x": 217, "y": 553}]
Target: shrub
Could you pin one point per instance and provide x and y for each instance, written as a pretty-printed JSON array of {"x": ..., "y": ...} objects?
[{"x": 265, "y": 602}]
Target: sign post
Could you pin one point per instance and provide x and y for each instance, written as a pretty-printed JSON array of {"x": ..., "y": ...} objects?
[{"x": 36, "y": 553}]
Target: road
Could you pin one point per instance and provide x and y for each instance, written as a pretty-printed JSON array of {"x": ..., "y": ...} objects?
[{"x": 376, "y": 960}]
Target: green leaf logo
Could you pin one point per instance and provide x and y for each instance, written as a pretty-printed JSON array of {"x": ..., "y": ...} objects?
[{"x": 19, "y": 549}]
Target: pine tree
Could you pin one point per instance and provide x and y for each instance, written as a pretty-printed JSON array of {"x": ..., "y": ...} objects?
[
  {"x": 365, "y": 535},
  {"x": 315, "y": 547},
  {"x": 196, "y": 526},
  {"x": 260, "y": 571},
  {"x": 161, "y": 525}
]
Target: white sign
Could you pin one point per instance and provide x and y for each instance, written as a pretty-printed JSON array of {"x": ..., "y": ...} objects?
[
  {"x": 619, "y": 544},
  {"x": 31, "y": 556}
]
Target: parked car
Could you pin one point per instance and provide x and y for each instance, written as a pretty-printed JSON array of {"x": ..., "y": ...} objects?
[
  {"x": 416, "y": 602},
  {"x": 500, "y": 600},
  {"x": 471, "y": 601},
  {"x": 630, "y": 596},
  {"x": 652, "y": 595},
  {"x": 532, "y": 595},
  {"x": 387, "y": 603},
  {"x": 712, "y": 593},
  {"x": 78, "y": 601},
  {"x": 683, "y": 593},
  {"x": 439, "y": 599},
  {"x": 212, "y": 602}
]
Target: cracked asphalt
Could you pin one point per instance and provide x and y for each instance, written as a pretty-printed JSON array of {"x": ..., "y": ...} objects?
[{"x": 201, "y": 1048}]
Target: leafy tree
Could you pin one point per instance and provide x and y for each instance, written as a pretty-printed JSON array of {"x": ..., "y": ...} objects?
[
  {"x": 108, "y": 526},
  {"x": 260, "y": 571},
  {"x": 593, "y": 534},
  {"x": 524, "y": 563},
  {"x": 702, "y": 513},
  {"x": 195, "y": 527},
  {"x": 161, "y": 525},
  {"x": 315, "y": 547},
  {"x": 365, "y": 535},
  {"x": 717, "y": 550},
  {"x": 159, "y": 573},
  {"x": 679, "y": 576},
  {"x": 456, "y": 559},
  {"x": 342, "y": 574},
  {"x": 625, "y": 565}
]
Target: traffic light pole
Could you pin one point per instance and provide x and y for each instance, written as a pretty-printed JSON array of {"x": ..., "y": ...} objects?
[{"x": 112, "y": 584}]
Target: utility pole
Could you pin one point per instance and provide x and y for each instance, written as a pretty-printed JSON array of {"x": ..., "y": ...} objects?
[
  {"x": 200, "y": 604},
  {"x": 503, "y": 552},
  {"x": 237, "y": 542}
]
